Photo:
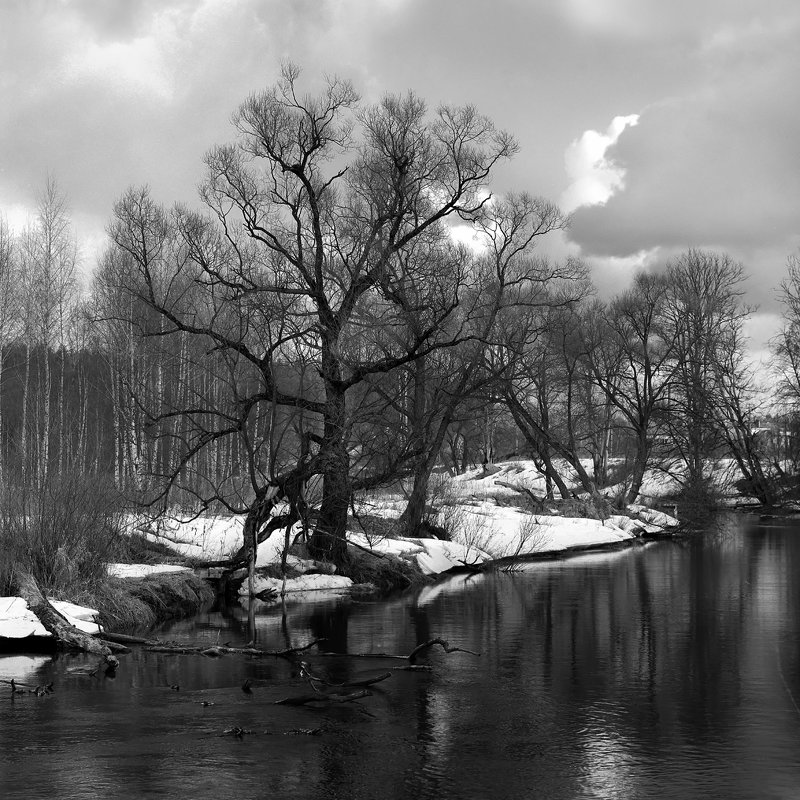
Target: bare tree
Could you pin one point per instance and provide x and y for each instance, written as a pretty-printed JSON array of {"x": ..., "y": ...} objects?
[
  {"x": 632, "y": 357},
  {"x": 545, "y": 381},
  {"x": 703, "y": 319},
  {"x": 327, "y": 216},
  {"x": 507, "y": 279}
]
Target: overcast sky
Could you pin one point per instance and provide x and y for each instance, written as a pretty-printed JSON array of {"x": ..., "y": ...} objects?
[{"x": 660, "y": 125}]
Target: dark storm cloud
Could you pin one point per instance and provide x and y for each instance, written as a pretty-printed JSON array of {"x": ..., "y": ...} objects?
[
  {"x": 105, "y": 93},
  {"x": 714, "y": 166}
]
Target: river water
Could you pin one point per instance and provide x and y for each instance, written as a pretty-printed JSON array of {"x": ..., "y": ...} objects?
[{"x": 666, "y": 671}]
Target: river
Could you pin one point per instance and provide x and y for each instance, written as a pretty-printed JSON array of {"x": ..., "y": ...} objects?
[{"x": 665, "y": 671}]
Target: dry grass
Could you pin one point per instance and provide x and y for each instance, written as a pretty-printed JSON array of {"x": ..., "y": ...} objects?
[
  {"x": 66, "y": 533},
  {"x": 387, "y": 573},
  {"x": 63, "y": 534},
  {"x": 137, "y": 604}
]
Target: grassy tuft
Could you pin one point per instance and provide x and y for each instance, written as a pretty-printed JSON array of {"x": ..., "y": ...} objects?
[{"x": 170, "y": 594}]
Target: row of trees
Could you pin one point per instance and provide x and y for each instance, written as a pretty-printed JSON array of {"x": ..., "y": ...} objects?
[{"x": 317, "y": 331}]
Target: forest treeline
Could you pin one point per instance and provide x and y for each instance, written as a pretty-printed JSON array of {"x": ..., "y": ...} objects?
[{"x": 316, "y": 331}]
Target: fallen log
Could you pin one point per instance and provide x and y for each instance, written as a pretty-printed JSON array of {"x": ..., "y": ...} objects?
[
  {"x": 222, "y": 650},
  {"x": 65, "y": 635},
  {"x": 124, "y": 638}
]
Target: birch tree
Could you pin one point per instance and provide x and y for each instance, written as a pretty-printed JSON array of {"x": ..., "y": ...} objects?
[
  {"x": 49, "y": 257},
  {"x": 9, "y": 300}
]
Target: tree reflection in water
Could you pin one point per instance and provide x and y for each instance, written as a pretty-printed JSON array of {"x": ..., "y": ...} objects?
[{"x": 670, "y": 671}]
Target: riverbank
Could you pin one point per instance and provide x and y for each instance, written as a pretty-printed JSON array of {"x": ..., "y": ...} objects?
[
  {"x": 490, "y": 517},
  {"x": 136, "y": 602},
  {"x": 486, "y": 515}
]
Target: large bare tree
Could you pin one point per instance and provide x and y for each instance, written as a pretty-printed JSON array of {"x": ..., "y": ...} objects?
[{"x": 328, "y": 233}]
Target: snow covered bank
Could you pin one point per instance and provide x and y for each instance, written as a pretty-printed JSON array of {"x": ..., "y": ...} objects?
[
  {"x": 205, "y": 538},
  {"x": 432, "y": 556},
  {"x": 482, "y": 510},
  {"x": 483, "y": 531}
]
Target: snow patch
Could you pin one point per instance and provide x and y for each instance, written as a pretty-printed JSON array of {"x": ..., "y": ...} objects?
[
  {"x": 17, "y": 621},
  {"x": 143, "y": 570}
]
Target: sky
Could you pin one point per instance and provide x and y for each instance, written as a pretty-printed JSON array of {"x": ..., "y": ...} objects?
[{"x": 658, "y": 125}]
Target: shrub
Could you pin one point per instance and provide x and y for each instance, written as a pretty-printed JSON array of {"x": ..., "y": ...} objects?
[{"x": 62, "y": 534}]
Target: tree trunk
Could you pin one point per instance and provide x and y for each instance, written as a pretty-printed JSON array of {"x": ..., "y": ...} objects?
[
  {"x": 328, "y": 541},
  {"x": 44, "y": 455},
  {"x": 66, "y": 636},
  {"x": 538, "y": 439},
  {"x": 23, "y": 447},
  {"x": 411, "y": 518},
  {"x": 639, "y": 466}
]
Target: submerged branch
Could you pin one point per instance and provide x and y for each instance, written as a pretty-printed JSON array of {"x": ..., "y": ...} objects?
[
  {"x": 411, "y": 657},
  {"x": 304, "y": 699}
]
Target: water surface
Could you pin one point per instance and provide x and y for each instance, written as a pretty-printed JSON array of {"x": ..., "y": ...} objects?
[{"x": 668, "y": 671}]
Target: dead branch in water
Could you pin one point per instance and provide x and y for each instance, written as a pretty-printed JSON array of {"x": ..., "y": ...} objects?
[
  {"x": 433, "y": 642},
  {"x": 316, "y": 681},
  {"x": 411, "y": 657},
  {"x": 214, "y": 651},
  {"x": 318, "y": 697}
]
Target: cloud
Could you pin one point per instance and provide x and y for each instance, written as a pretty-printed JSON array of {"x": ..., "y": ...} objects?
[
  {"x": 594, "y": 177},
  {"x": 107, "y": 93},
  {"x": 714, "y": 167}
]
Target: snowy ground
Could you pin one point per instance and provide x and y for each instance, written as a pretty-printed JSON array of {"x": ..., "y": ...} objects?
[
  {"x": 476, "y": 507},
  {"x": 469, "y": 506}
]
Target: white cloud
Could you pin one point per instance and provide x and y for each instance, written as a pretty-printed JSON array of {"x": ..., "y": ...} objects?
[
  {"x": 613, "y": 274},
  {"x": 594, "y": 178},
  {"x": 137, "y": 65}
]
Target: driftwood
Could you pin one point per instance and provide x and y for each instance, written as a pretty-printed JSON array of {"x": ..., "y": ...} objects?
[{"x": 66, "y": 636}]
